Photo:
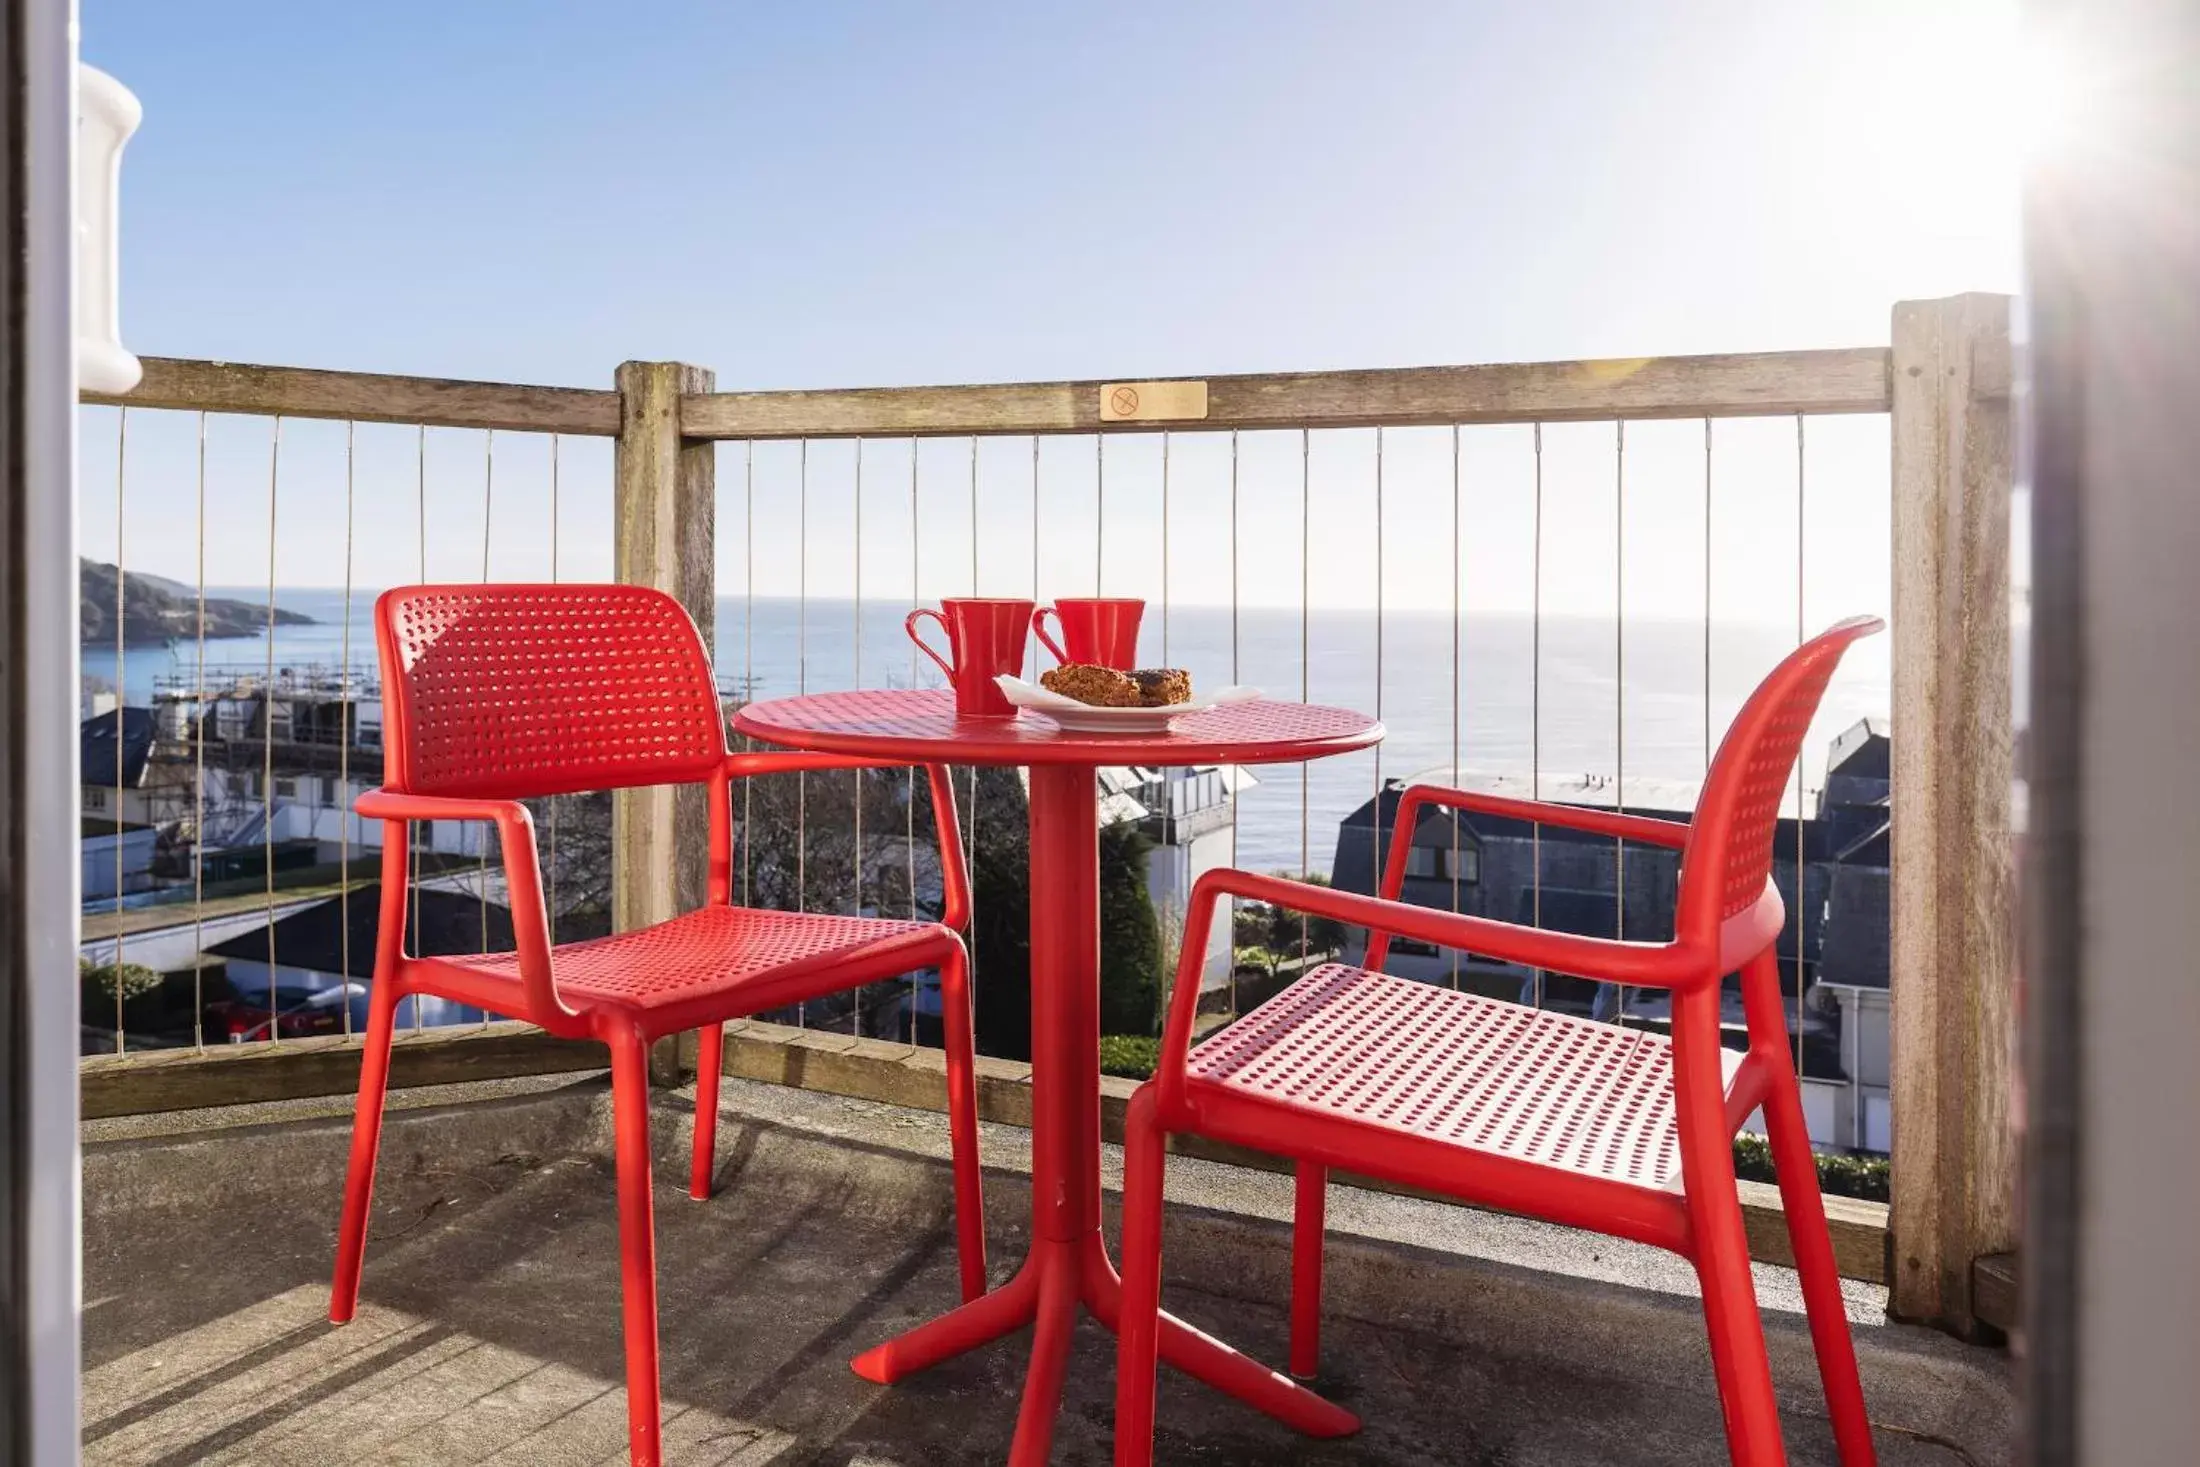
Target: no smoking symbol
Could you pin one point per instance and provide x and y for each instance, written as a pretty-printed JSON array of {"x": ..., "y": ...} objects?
[{"x": 1124, "y": 400}]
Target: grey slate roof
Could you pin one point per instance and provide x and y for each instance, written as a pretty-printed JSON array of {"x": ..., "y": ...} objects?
[{"x": 96, "y": 739}]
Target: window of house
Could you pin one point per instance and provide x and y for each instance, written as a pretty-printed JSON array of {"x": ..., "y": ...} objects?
[
  {"x": 95, "y": 798},
  {"x": 1437, "y": 863},
  {"x": 328, "y": 794},
  {"x": 1409, "y": 948},
  {"x": 286, "y": 789}
]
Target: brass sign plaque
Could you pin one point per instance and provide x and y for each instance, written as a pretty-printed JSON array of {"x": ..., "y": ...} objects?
[{"x": 1152, "y": 402}]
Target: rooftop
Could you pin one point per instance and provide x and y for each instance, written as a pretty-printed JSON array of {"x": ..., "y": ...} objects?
[
  {"x": 97, "y": 738},
  {"x": 489, "y": 1330}
]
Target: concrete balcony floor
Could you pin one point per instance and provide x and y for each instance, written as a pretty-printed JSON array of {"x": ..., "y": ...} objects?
[{"x": 489, "y": 1330}]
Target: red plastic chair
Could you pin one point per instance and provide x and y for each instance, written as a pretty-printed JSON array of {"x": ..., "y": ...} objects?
[
  {"x": 1587, "y": 1124},
  {"x": 494, "y": 694}
]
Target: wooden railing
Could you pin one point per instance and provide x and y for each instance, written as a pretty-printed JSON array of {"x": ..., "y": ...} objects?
[
  {"x": 1757, "y": 384},
  {"x": 1945, "y": 382}
]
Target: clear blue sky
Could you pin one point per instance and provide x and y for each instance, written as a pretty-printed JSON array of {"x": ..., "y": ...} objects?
[{"x": 831, "y": 194}]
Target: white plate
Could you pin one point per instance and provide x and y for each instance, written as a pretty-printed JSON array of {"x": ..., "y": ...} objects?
[{"x": 1084, "y": 718}]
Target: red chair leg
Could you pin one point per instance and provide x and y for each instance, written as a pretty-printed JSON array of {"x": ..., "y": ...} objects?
[
  {"x": 1139, "y": 1323},
  {"x": 1308, "y": 1207},
  {"x": 637, "y": 1243},
  {"x": 1737, "y": 1338},
  {"x": 366, "y": 1140},
  {"x": 709, "y": 1061},
  {"x": 1821, "y": 1277},
  {"x": 1797, "y": 1170},
  {"x": 1738, "y": 1353},
  {"x": 962, "y": 1120}
]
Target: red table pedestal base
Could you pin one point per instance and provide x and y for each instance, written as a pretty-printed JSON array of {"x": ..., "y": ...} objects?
[
  {"x": 1068, "y": 1264},
  {"x": 1056, "y": 1278}
]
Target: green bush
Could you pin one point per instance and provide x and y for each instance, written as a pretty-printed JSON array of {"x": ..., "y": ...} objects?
[
  {"x": 1130, "y": 1055},
  {"x": 1130, "y": 933},
  {"x": 131, "y": 997},
  {"x": 1839, "y": 1175},
  {"x": 1266, "y": 937},
  {"x": 106, "y": 981}
]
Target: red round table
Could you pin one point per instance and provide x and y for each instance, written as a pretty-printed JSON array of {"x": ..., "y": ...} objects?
[{"x": 1068, "y": 1263}]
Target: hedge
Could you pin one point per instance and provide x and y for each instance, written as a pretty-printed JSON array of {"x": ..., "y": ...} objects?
[
  {"x": 1839, "y": 1175},
  {"x": 1132, "y": 1056}
]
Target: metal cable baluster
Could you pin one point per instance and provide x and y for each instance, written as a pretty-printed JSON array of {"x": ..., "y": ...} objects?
[
  {"x": 267, "y": 724},
  {"x": 346, "y": 722},
  {"x": 1619, "y": 684},
  {"x": 1706, "y": 600},
  {"x": 488, "y": 494},
  {"x": 1535, "y": 707},
  {"x": 1454, "y": 687},
  {"x": 481, "y": 832},
  {"x": 1377, "y": 807},
  {"x": 198, "y": 781},
  {"x": 748, "y": 653},
  {"x": 802, "y": 687},
  {"x": 1235, "y": 677},
  {"x": 1408, "y": 835},
  {"x": 1099, "y": 514},
  {"x": 122, "y": 683},
  {"x": 971, "y": 845},
  {"x": 1171, "y": 915},
  {"x": 1802, "y": 907},
  {"x": 856, "y": 775},
  {"x": 916, "y": 543},
  {"x": 555, "y": 799},
  {"x": 1306, "y": 668},
  {"x": 419, "y": 834}
]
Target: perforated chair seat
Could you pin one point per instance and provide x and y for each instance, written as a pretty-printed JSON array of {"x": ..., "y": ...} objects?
[
  {"x": 717, "y": 951},
  {"x": 1373, "y": 1050}
]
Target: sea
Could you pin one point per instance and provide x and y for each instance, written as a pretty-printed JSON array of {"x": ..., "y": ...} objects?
[{"x": 1585, "y": 709}]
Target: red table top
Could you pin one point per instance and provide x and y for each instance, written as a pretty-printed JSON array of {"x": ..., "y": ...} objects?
[{"x": 921, "y": 726}]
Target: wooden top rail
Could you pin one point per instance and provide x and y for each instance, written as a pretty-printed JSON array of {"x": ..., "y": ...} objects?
[
  {"x": 1852, "y": 380},
  {"x": 1756, "y": 384},
  {"x": 368, "y": 397}
]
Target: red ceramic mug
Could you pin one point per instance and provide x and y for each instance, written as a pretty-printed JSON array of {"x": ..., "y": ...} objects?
[
  {"x": 1097, "y": 629},
  {"x": 985, "y": 637}
]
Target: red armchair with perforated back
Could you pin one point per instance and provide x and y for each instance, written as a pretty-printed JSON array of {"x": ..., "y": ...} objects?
[
  {"x": 1618, "y": 1130},
  {"x": 499, "y": 693}
]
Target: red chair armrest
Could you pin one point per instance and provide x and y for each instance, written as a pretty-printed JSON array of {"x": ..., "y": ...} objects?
[
  {"x": 379, "y": 804},
  {"x": 1671, "y": 834},
  {"x": 1417, "y": 798},
  {"x": 789, "y": 761},
  {"x": 954, "y": 871},
  {"x": 522, "y": 880}
]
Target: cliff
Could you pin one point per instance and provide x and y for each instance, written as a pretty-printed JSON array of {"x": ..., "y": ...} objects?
[{"x": 155, "y": 611}]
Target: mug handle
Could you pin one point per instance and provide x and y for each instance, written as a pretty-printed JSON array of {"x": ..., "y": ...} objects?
[
  {"x": 1039, "y": 629},
  {"x": 909, "y": 625}
]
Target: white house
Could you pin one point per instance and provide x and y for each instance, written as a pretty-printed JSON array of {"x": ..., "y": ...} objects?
[{"x": 1188, "y": 814}]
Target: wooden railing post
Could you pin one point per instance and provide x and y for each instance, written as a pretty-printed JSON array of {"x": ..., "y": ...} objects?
[
  {"x": 1953, "y": 906},
  {"x": 663, "y": 509}
]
